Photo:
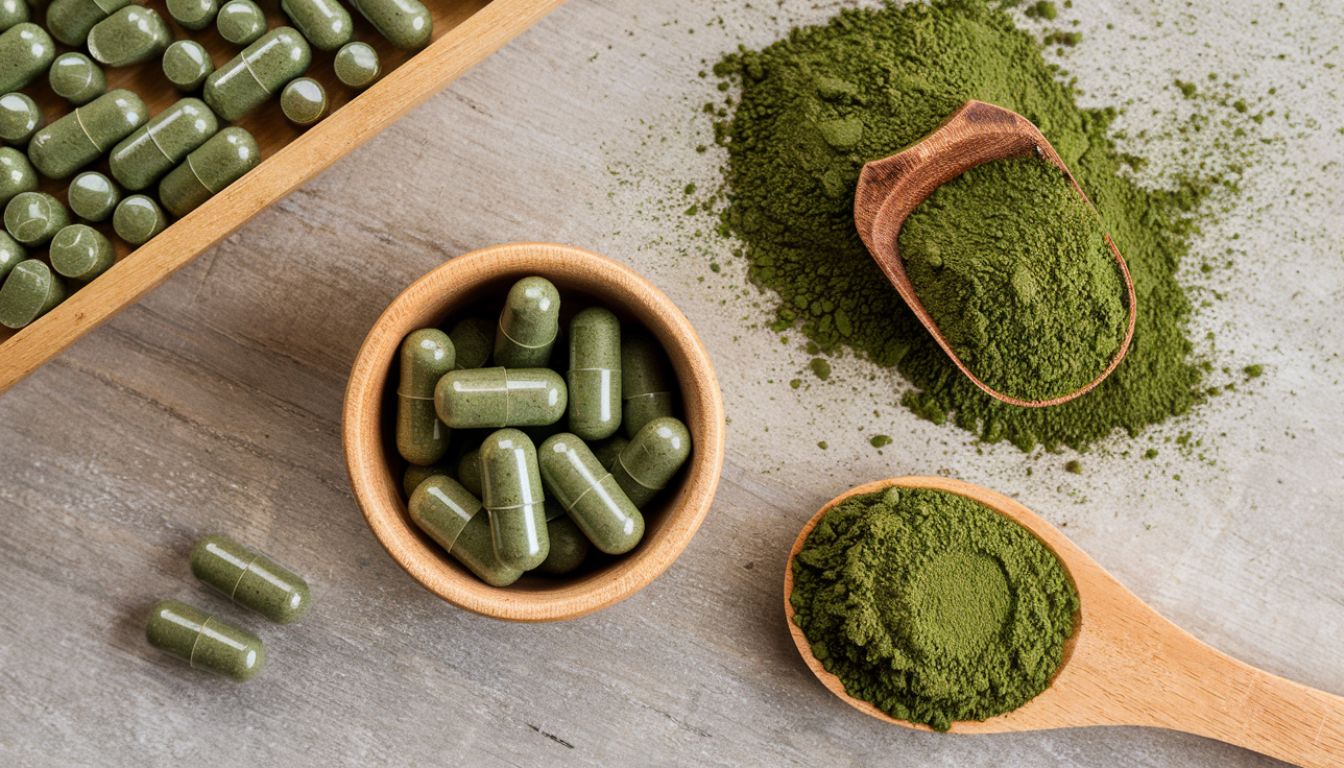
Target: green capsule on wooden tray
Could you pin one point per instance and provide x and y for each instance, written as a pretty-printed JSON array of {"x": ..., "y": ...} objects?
[
  {"x": 257, "y": 72},
  {"x": 82, "y": 136},
  {"x": 403, "y": 23},
  {"x": 511, "y": 486},
  {"x": 92, "y": 196},
  {"x": 158, "y": 145},
  {"x": 220, "y": 161},
  {"x": 325, "y": 23},
  {"x": 250, "y": 579},
  {"x": 426, "y": 355},
  {"x": 129, "y": 36},
  {"x": 80, "y": 252},
  {"x": 648, "y": 386},
  {"x": 29, "y": 292},
  {"x": 589, "y": 493},
  {"x": 76, "y": 78},
  {"x": 452, "y": 516},
  {"x": 303, "y": 101},
  {"x": 11, "y": 253},
  {"x": 472, "y": 339},
  {"x": 414, "y": 475},
  {"x": 194, "y": 15},
  {"x": 26, "y": 50},
  {"x": 469, "y": 471},
  {"x": 569, "y": 547},
  {"x": 71, "y": 20},
  {"x": 204, "y": 641},
  {"x": 16, "y": 175},
  {"x": 33, "y": 218},
  {"x": 187, "y": 64},
  {"x": 500, "y": 397},
  {"x": 652, "y": 459},
  {"x": 240, "y": 21},
  {"x": 528, "y": 324},
  {"x": 19, "y": 119},
  {"x": 12, "y": 12},
  {"x": 594, "y": 376},
  {"x": 607, "y": 450},
  {"x": 138, "y": 219},
  {"x": 357, "y": 66}
]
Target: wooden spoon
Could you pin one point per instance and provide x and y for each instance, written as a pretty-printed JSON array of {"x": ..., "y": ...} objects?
[
  {"x": 1127, "y": 665},
  {"x": 891, "y": 188}
]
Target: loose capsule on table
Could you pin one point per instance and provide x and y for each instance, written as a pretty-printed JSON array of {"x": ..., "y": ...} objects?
[
  {"x": 528, "y": 324},
  {"x": 19, "y": 119},
  {"x": 16, "y": 175},
  {"x": 26, "y": 51},
  {"x": 12, "y": 12},
  {"x": 403, "y": 23},
  {"x": 472, "y": 338},
  {"x": 426, "y": 355},
  {"x": 187, "y": 64},
  {"x": 451, "y": 516},
  {"x": 33, "y": 218},
  {"x": 240, "y": 21},
  {"x": 589, "y": 493},
  {"x": 129, "y": 36},
  {"x": 75, "y": 78},
  {"x": 92, "y": 196},
  {"x": 82, "y": 136},
  {"x": 80, "y": 252},
  {"x": 569, "y": 547},
  {"x": 325, "y": 23},
  {"x": 511, "y": 485},
  {"x": 250, "y": 579},
  {"x": 500, "y": 397},
  {"x": 204, "y": 641},
  {"x": 138, "y": 219},
  {"x": 356, "y": 65},
  {"x": 652, "y": 459},
  {"x": 29, "y": 292},
  {"x": 648, "y": 388},
  {"x": 594, "y": 374},
  {"x": 303, "y": 101},
  {"x": 71, "y": 20},
  {"x": 194, "y": 15},
  {"x": 220, "y": 161},
  {"x": 154, "y": 148},
  {"x": 257, "y": 72}
]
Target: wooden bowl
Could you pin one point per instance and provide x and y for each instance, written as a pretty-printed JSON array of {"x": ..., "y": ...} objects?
[{"x": 478, "y": 279}]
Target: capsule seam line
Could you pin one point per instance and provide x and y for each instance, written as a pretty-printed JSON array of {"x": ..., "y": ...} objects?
[
  {"x": 80, "y": 122},
  {"x": 621, "y": 461},
  {"x": 241, "y": 574},
  {"x": 248, "y": 66},
  {"x": 413, "y": 397},
  {"x": 588, "y": 490},
  {"x": 149, "y": 131},
  {"x": 191, "y": 167},
  {"x": 548, "y": 342},
  {"x": 191, "y": 657},
  {"x": 646, "y": 394}
]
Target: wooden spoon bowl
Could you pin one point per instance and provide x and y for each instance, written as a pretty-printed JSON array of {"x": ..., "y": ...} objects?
[
  {"x": 1126, "y": 664},
  {"x": 890, "y": 189}
]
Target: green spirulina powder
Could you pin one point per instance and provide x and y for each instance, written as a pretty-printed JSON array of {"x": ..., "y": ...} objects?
[
  {"x": 931, "y": 606},
  {"x": 1013, "y": 267},
  {"x": 818, "y": 104}
]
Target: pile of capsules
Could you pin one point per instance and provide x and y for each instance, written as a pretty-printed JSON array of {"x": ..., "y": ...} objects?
[
  {"x": 512, "y": 491},
  {"x": 186, "y": 153}
]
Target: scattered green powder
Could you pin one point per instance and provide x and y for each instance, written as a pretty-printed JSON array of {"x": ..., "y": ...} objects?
[
  {"x": 821, "y": 367},
  {"x": 879, "y": 441},
  {"x": 932, "y": 607},
  {"x": 1074, "y": 466},
  {"x": 1043, "y": 10},
  {"x": 1253, "y": 371},
  {"x": 898, "y": 72},
  {"x": 1013, "y": 267}
]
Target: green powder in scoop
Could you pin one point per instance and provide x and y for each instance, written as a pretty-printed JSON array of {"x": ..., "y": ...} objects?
[
  {"x": 932, "y": 607},
  {"x": 1013, "y": 267}
]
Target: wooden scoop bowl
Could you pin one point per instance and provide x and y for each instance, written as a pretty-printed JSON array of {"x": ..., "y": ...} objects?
[
  {"x": 1127, "y": 665},
  {"x": 890, "y": 189}
]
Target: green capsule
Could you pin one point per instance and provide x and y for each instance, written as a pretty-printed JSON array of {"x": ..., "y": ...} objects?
[
  {"x": 19, "y": 119},
  {"x": 16, "y": 175},
  {"x": 652, "y": 458},
  {"x": 528, "y": 324},
  {"x": 257, "y": 72},
  {"x": 240, "y": 22},
  {"x": 414, "y": 475},
  {"x": 426, "y": 356},
  {"x": 588, "y": 492},
  {"x": 469, "y": 471},
  {"x": 12, "y": 12},
  {"x": 92, "y": 196},
  {"x": 607, "y": 450},
  {"x": 356, "y": 65},
  {"x": 220, "y": 161},
  {"x": 138, "y": 219},
  {"x": 26, "y": 50},
  {"x": 500, "y": 397},
  {"x": 250, "y": 579},
  {"x": 75, "y": 78},
  {"x": 204, "y": 641},
  {"x": 594, "y": 374},
  {"x": 158, "y": 145},
  {"x": 451, "y": 516},
  {"x": 29, "y": 292},
  {"x": 403, "y": 23},
  {"x": 325, "y": 23},
  {"x": 33, "y": 217},
  {"x": 569, "y": 547},
  {"x": 194, "y": 15},
  {"x": 303, "y": 101},
  {"x": 187, "y": 64},
  {"x": 648, "y": 387},
  {"x": 472, "y": 338},
  {"x": 129, "y": 36},
  {"x": 511, "y": 484},
  {"x": 81, "y": 252},
  {"x": 71, "y": 20},
  {"x": 11, "y": 253},
  {"x": 82, "y": 136}
]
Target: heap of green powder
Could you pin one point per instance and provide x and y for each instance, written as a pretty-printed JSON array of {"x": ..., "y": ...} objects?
[
  {"x": 1013, "y": 267},
  {"x": 818, "y": 104},
  {"x": 932, "y": 607}
]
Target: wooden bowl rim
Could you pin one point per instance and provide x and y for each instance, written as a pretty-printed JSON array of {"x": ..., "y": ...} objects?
[{"x": 378, "y": 492}]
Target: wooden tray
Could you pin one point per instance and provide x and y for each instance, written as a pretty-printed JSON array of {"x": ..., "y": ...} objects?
[{"x": 465, "y": 32}]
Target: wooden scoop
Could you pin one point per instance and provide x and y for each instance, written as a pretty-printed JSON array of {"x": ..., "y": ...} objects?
[
  {"x": 891, "y": 188},
  {"x": 1127, "y": 665}
]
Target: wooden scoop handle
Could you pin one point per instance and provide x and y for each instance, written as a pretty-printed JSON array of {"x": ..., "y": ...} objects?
[{"x": 890, "y": 189}]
